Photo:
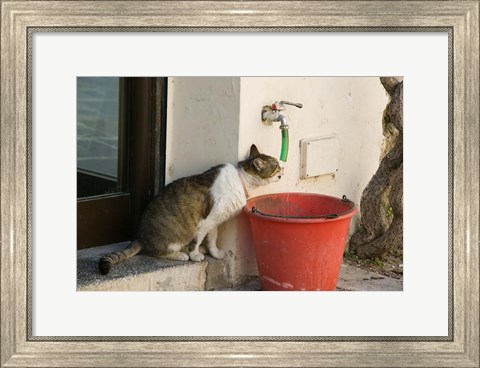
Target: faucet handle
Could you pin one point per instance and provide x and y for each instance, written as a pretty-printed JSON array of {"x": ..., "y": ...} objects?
[{"x": 296, "y": 104}]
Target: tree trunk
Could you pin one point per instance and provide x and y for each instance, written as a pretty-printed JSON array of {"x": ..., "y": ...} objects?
[{"x": 381, "y": 205}]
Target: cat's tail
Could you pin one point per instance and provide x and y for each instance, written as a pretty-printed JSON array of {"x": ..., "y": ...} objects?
[{"x": 106, "y": 262}]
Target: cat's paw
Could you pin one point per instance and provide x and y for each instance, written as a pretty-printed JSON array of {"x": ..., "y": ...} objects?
[
  {"x": 177, "y": 256},
  {"x": 218, "y": 253},
  {"x": 182, "y": 256},
  {"x": 196, "y": 257}
]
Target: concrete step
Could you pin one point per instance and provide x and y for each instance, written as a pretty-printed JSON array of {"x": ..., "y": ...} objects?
[{"x": 142, "y": 273}]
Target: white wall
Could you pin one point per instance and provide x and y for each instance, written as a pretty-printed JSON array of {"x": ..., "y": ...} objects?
[
  {"x": 213, "y": 120},
  {"x": 202, "y": 124}
]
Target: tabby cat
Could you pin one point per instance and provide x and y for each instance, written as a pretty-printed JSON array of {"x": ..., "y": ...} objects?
[{"x": 188, "y": 211}]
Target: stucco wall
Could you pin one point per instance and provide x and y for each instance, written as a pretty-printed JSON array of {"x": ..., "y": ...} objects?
[
  {"x": 202, "y": 124},
  {"x": 214, "y": 120}
]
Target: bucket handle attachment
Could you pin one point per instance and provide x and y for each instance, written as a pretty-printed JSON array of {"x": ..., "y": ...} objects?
[{"x": 345, "y": 199}]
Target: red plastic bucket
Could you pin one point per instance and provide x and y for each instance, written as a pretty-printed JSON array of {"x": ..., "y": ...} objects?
[{"x": 299, "y": 239}]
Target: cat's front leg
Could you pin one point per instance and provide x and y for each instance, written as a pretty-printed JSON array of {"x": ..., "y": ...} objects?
[
  {"x": 212, "y": 245},
  {"x": 207, "y": 226},
  {"x": 195, "y": 254}
]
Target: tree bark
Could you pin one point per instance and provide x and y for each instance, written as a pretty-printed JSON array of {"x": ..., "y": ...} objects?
[{"x": 381, "y": 205}]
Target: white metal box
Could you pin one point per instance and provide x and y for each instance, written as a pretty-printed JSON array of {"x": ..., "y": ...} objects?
[{"x": 319, "y": 156}]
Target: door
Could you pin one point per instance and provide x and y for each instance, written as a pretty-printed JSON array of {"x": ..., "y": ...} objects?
[{"x": 120, "y": 154}]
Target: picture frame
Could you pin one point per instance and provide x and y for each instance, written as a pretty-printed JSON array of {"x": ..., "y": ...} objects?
[{"x": 20, "y": 18}]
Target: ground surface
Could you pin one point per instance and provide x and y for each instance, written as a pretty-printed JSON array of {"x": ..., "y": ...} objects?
[
  {"x": 390, "y": 265},
  {"x": 351, "y": 278}
]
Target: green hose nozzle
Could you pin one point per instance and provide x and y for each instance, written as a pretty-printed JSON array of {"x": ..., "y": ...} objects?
[
  {"x": 284, "y": 152},
  {"x": 271, "y": 113}
]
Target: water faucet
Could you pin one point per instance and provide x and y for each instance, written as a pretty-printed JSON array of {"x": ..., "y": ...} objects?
[{"x": 271, "y": 113}]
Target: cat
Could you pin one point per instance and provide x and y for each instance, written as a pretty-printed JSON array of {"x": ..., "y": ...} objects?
[{"x": 188, "y": 211}]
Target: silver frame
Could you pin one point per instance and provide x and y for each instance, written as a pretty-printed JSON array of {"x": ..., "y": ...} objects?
[{"x": 19, "y": 19}]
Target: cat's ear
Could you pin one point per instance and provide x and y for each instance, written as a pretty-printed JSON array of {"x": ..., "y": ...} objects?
[
  {"x": 259, "y": 164},
  {"x": 254, "y": 151}
]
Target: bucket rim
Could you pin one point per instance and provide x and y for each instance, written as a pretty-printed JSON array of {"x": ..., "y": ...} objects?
[{"x": 248, "y": 210}]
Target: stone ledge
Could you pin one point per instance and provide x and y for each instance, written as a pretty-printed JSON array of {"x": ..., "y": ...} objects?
[{"x": 142, "y": 273}]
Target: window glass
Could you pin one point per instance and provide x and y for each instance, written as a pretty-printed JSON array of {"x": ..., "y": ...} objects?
[{"x": 98, "y": 128}]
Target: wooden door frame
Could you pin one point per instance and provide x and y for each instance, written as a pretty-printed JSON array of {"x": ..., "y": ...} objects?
[{"x": 114, "y": 218}]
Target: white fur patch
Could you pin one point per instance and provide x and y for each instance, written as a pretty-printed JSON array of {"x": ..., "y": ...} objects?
[
  {"x": 228, "y": 195},
  {"x": 228, "y": 200},
  {"x": 175, "y": 247}
]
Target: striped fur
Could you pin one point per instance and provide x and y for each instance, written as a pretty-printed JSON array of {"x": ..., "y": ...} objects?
[{"x": 109, "y": 260}]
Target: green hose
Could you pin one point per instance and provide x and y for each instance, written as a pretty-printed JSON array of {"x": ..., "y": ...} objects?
[{"x": 284, "y": 152}]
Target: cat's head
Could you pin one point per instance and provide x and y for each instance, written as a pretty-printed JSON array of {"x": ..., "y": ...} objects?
[{"x": 262, "y": 169}]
